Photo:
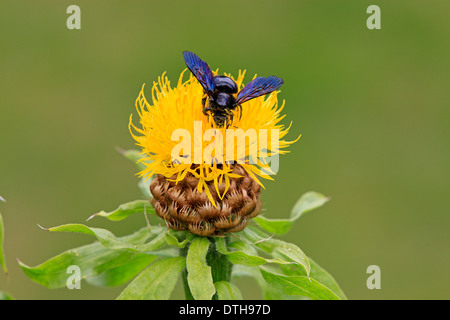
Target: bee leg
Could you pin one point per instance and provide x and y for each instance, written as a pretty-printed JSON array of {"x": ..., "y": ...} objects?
[
  {"x": 230, "y": 119},
  {"x": 227, "y": 117},
  {"x": 206, "y": 110},
  {"x": 240, "y": 111}
]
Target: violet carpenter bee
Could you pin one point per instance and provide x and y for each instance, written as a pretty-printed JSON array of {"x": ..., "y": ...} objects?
[{"x": 220, "y": 91}]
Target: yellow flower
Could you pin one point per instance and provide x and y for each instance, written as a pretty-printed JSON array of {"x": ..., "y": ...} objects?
[{"x": 180, "y": 107}]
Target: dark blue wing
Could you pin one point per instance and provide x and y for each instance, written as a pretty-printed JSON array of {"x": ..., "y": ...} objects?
[
  {"x": 201, "y": 70},
  {"x": 258, "y": 87}
]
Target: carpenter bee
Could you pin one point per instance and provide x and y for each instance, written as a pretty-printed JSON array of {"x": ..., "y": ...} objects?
[{"x": 220, "y": 91}]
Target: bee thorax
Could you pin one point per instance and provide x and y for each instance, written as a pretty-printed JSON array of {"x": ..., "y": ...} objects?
[{"x": 223, "y": 101}]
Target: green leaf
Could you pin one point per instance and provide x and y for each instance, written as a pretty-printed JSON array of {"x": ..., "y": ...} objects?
[
  {"x": 126, "y": 267},
  {"x": 241, "y": 257},
  {"x": 2, "y": 254},
  {"x": 199, "y": 275},
  {"x": 178, "y": 239},
  {"x": 319, "y": 274},
  {"x": 281, "y": 250},
  {"x": 269, "y": 292},
  {"x": 275, "y": 226},
  {"x": 154, "y": 238},
  {"x": 307, "y": 202},
  {"x": 287, "y": 252},
  {"x": 125, "y": 210},
  {"x": 227, "y": 291},
  {"x": 238, "y": 257},
  {"x": 290, "y": 252},
  {"x": 5, "y": 296},
  {"x": 98, "y": 265},
  {"x": 298, "y": 286},
  {"x": 156, "y": 282}
]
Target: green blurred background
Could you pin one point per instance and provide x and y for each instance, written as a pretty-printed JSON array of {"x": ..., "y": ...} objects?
[{"x": 372, "y": 107}]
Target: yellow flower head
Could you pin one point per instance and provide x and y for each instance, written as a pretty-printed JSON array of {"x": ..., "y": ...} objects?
[{"x": 180, "y": 107}]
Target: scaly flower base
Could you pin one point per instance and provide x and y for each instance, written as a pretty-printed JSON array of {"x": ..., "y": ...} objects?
[{"x": 183, "y": 207}]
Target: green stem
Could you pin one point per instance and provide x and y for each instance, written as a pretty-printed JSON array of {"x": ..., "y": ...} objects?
[
  {"x": 220, "y": 267},
  {"x": 187, "y": 291}
]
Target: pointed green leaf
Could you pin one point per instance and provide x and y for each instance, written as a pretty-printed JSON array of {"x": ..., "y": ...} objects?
[
  {"x": 298, "y": 286},
  {"x": 243, "y": 256},
  {"x": 238, "y": 257},
  {"x": 125, "y": 210},
  {"x": 126, "y": 266},
  {"x": 275, "y": 226},
  {"x": 154, "y": 238},
  {"x": 178, "y": 239},
  {"x": 317, "y": 273},
  {"x": 199, "y": 275},
  {"x": 290, "y": 252},
  {"x": 268, "y": 292},
  {"x": 227, "y": 291},
  {"x": 156, "y": 282},
  {"x": 278, "y": 249},
  {"x": 2, "y": 254},
  {"x": 98, "y": 265},
  {"x": 307, "y": 202}
]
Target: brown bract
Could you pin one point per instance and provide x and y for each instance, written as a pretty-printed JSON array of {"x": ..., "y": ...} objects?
[{"x": 183, "y": 207}]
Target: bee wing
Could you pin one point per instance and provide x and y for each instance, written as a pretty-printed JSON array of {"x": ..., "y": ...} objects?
[
  {"x": 201, "y": 70},
  {"x": 258, "y": 87}
]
